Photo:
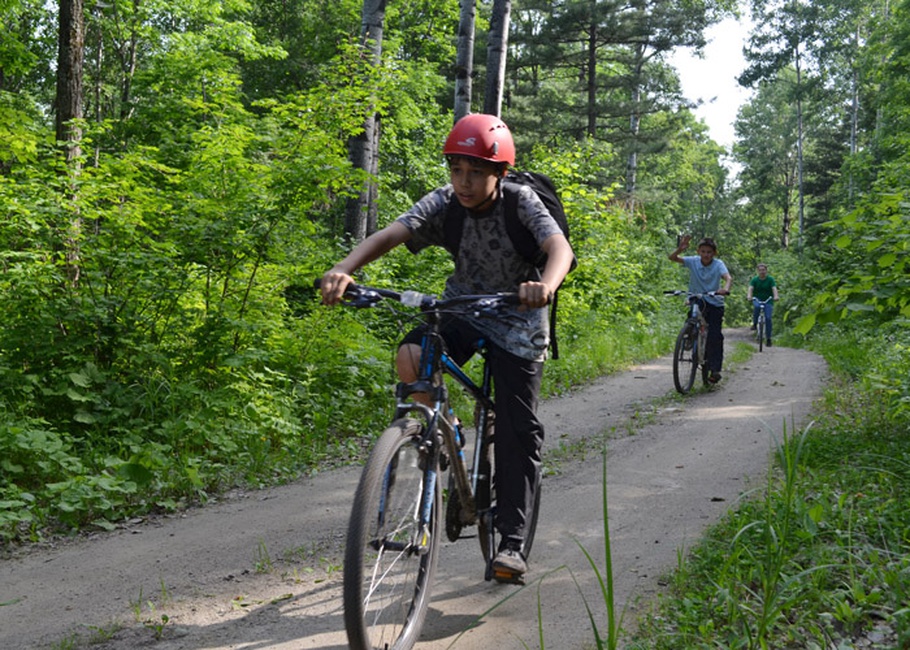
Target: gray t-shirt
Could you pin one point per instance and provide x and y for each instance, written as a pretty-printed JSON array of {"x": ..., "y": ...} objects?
[{"x": 487, "y": 262}]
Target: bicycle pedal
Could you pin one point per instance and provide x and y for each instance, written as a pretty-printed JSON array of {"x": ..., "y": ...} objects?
[{"x": 507, "y": 577}]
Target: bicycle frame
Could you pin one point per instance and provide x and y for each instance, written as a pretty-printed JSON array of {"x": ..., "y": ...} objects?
[
  {"x": 760, "y": 323},
  {"x": 696, "y": 316},
  {"x": 394, "y": 532},
  {"x": 434, "y": 361},
  {"x": 691, "y": 343}
]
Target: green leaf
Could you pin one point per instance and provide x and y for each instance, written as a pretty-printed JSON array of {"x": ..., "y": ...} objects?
[
  {"x": 76, "y": 396},
  {"x": 804, "y": 324},
  {"x": 84, "y": 417},
  {"x": 80, "y": 379},
  {"x": 843, "y": 241},
  {"x": 137, "y": 473},
  {"x": 886, "y": 260}
]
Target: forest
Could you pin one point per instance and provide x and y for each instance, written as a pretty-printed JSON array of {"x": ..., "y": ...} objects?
[{"x": 174, "y": 174}]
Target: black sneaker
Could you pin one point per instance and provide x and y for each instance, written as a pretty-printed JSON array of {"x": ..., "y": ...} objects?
[
  {"x": 714, "y": 377},
  {"x": 768, "y": 343},
  {"x": 509, "y": 565},
  {"x": 752, "y": 329}
]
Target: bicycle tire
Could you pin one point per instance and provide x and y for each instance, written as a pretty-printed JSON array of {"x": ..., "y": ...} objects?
[
  {"x": 685, "y": 358},
  {"x": 760, "y": 331},
  {"x": 389, "y": 563}
]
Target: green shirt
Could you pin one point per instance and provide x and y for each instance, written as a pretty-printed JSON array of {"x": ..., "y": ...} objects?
[{"x": 762, "y": 289}]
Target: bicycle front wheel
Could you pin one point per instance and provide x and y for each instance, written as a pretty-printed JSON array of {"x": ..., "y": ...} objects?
[
  {"x": 393, "y": 542},
  {"x": 685, "y": 358},
  {"x": 760, "y": 332}
]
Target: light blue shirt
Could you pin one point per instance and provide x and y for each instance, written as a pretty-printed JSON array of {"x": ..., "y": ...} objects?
[{"x": 703, "y": 279}]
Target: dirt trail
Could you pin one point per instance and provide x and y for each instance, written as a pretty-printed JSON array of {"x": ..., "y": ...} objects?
[{"x": 261, "y": 570}]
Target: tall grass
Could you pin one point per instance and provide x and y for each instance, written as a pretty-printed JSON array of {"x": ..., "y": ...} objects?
[{"x": 819, "y": 559}]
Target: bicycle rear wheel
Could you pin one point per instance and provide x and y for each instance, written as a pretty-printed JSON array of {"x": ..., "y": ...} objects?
[
  {"x": 484, "y": 501},
  {"x": 685, "y": 358},
  {"x": 390, "y": 558},
  {"x": 531, "y": 529}
]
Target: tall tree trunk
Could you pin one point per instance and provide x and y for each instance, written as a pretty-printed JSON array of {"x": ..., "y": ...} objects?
[
  {"x": 373, "y": 203},
  {"x": 787, "y": 219},
  {"x": 634, "y": 128},
  {"x": 854, "y": 108},
  {"x": 799, "y": 148},
  {"x": 70, "y": 62},
  {"x": 363, "y": 148},
  {"x": 592, "y": 77},
  {"x": 127, "y": 54},
  {"x": 497, "y": 52},
  {"x": 464, "y": 59}
]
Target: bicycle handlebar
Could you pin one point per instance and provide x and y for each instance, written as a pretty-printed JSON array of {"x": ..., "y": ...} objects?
[
  {"x": 363, "y": 297},
  {"x": 756, "y": 301},
  {"x": 688, "y": 294}
]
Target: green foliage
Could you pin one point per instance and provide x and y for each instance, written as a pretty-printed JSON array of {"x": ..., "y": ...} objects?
[
  {"x": 818, "y": 558},
  {"x": 162, "y": 340},
  {"x": 869, "y": 261},
  {"x": 837, "y": 567}
]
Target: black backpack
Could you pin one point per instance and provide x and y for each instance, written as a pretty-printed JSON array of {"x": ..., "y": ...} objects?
[{"x": 521, "y": 237}]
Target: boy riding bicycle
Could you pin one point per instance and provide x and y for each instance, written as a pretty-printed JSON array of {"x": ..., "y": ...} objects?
[
  {"x": 479, "y": 151},
  {"x": 705, "y": 275},
  {"x": 763, "y": 288}
]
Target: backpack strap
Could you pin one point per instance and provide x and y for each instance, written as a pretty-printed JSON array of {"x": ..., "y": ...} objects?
[
  {"x": 527, "y": 247},
  {"x": 453, "y": 225}
]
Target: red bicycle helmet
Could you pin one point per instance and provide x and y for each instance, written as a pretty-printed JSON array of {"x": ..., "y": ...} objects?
[{"x": 481, "y": 136}]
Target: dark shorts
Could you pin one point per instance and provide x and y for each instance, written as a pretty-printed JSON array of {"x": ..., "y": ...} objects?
[{"x": 461, "y": 339}]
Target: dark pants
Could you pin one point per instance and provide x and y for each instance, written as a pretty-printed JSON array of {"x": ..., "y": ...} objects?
[
  {"x": 714, "y": 350},
  {"x": 518, "y": 433}
]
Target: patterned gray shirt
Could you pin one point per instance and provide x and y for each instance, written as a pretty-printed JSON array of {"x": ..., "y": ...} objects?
[{"x": 487, "y": 262}]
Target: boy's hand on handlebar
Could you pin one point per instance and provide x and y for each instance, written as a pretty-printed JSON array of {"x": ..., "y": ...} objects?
[
  {"x": 334, "y": 282},
  {"x": 534, "y": 294},
  {"x": 722, "y": 292}
]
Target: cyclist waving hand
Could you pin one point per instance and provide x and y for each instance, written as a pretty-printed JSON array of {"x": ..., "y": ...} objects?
[{"x": 706, "y": 274}]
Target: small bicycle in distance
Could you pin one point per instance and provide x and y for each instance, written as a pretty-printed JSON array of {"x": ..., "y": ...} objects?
[
  {"x": 761, "y": 323},
  {"x": 396, "y": 520},
  {"x": 689, "y": 353}
]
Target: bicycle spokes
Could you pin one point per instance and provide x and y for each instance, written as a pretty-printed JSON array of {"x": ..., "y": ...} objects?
[{"x": 392, "y": 542}]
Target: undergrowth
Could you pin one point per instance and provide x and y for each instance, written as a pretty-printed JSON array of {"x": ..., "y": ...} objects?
[{"x": 819, "y": 557}]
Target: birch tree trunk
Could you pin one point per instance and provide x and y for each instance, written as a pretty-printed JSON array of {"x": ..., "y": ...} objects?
[
  {"x": 634, "y": 127},
  {"x": 464, "y": 59},
  {"x": 799, "y": 155},
  {"x": 497, "y": 53},
  {"x": 363, "y": 148},
  {"x": 69, "y": 101}
]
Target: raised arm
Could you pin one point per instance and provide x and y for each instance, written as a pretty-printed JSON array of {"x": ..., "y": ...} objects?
[{"x": 683, "y": 245}]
